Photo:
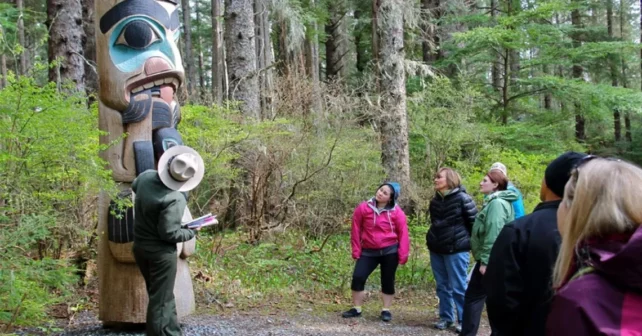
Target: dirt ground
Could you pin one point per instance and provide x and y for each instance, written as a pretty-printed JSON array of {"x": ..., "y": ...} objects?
[{"x": 267, "y": 322}]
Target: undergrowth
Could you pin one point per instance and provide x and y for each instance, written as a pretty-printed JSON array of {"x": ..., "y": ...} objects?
[{"x": 288, "y": 271}]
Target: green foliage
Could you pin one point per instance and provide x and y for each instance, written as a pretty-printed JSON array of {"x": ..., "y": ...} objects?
[
  {"x": 49, "y": 160},
  {"x": 526, "y": 171},
  {"x": 328, "y": 173},
  {"x": 213, "y": 132},
  {"x": 30, "y": 285},
  {"x": 442, "y": 130},
  {"x": 288, "y": 268},
  {"x": 50, "y": 173},
  {"x": 306, "y": 176}
]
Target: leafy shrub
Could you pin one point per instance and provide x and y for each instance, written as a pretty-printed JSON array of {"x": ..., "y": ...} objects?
[
  {"x": 50, "y": 174},
  {"x": 30, "y": 285},
  {"x": 288, "y": 171},
  {"x": 443, "y": 131}
]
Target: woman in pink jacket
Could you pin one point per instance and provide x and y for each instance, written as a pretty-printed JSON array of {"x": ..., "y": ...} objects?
[{"x": 379, "y": 237}]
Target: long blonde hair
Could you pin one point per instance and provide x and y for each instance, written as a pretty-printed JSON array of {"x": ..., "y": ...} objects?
[{"x": 603, "y": 197}]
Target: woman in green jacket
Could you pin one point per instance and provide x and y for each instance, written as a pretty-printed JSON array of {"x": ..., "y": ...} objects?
[{"x": 495, "y": 213}]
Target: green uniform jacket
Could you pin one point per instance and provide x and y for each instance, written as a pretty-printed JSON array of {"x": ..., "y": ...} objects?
[
  {"x": 496, "y": 212},
  {"x": 158, "y": 212}
]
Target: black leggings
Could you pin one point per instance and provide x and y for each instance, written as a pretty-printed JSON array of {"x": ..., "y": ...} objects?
[{"x": 366, "y": 265}]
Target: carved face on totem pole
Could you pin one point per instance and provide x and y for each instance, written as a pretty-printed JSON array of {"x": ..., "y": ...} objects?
[{"x": 140, "y": 68}]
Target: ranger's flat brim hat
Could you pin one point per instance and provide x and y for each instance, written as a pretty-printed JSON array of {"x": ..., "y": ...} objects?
[{"x": 181, "y": 168}]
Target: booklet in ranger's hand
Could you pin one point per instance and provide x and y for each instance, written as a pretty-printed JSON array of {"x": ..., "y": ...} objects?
[{"x": 202, "y": 221}]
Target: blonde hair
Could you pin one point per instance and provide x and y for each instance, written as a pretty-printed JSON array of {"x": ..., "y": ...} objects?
[
  {"x": 603, "y": 197},
  {"x": 453, "y": 180}
]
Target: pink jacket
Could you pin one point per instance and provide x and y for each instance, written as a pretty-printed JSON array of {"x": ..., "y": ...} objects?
[{"x": 375, "y": 230}]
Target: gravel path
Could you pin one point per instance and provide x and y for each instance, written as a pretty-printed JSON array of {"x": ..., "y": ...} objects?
[{"x": 260, "y": 324}]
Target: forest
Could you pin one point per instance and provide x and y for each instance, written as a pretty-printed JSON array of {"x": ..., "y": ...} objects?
[{"x": 301, "y": 109}]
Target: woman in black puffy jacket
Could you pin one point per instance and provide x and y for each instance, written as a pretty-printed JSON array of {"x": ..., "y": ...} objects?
[{"x": 452, "y": 214}]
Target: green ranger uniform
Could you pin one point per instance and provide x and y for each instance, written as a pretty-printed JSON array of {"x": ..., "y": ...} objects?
[{"x": 158, "y": 211}]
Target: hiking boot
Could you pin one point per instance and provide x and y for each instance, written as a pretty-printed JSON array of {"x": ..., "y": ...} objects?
[
  {"x": 443, "y": 325},
  {"x": 351, "y": 313},
  {"x": 386, "y": 316},
  {"x": 458, "y": 328}
]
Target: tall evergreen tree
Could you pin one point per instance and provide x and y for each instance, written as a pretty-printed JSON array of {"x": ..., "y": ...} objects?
[
  {"x": 394, "y": 120},
  {"x": 188, "y": 57},
  {"x": 217, "y": 53},
  {"x": 241, "y": 56},
  {"x": 64, "y": 19}
]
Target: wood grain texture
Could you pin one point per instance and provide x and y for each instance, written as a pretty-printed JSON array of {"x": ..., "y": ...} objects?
[{"x": 123, "y": 296}]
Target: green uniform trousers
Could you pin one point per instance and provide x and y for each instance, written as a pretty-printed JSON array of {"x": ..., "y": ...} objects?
[{"x": 159, "y": 271}]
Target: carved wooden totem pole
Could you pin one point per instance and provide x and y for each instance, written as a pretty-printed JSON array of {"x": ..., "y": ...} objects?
[{"x": 140, "y": 70}]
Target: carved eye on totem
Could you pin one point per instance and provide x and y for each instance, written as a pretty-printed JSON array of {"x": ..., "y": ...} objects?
[
  {"x": 177, "y": 34},
  {"x": 137, "y": 35}
]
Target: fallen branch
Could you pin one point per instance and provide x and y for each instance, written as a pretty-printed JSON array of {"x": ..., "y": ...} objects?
[{"x": 322, "y": 244}]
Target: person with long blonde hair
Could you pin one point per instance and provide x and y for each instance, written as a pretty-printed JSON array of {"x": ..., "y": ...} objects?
[{"x": 598, "y": 273}]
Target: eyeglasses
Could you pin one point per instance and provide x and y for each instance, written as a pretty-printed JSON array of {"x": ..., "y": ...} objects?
[
  {"x": 576, "y": 170},
  {"x": 584, "y": 160}
]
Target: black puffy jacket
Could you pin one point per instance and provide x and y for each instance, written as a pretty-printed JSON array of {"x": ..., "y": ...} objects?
[{"x": 452, "y": 217}]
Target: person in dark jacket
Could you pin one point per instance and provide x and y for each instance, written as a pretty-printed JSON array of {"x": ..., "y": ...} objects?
[
  {"x": 159, "y": 206},
  {"x": 452, "y": 214},
  {"x": 598, "y": 273},
  {"x": 518, "y": 276}
]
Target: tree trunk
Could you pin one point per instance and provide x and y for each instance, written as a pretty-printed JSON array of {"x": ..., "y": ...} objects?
[
  {"x": 335, "y": 48},
  {"x": 188, "y": 58},
  {"x": 21, "y": 37},
  {"x": 514, "y": 7},
  {"x": 548, "y": 98},
  {"x": 89, "y": 48},
  {"x": 284, "y": 56},
  {"x": 3, "y": 71},
  {"x": 64, "y": 20},
  {"x": 497, "y": 61},
  {"x": 578, "y": 73},
  {"x": 199, "y": 48},
  {"x": 506, "y": 86},
  {"x": 312, "y": 62},
  {"x": 394, "y": 120},
  {"x": 375, "y": 41},
  {"x": 627, "y": 127},
  {"x": 617, "y": 123},
  {"x": 264, "y": 58},
  {"x": 312, "y": 54},
  {"x": 217, "y": 53},
  {"x": 241, "y": 56},
  {"x": 360, "y": 50},
  {"x": 430, "y": 45},
  {"x": 627, "y": 117}
]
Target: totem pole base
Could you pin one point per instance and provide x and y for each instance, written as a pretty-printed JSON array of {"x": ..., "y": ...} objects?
[{"x": 123, "y": 296}]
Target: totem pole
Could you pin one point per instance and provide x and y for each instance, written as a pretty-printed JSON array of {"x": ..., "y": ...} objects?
[{"x": 140, "y": 70}]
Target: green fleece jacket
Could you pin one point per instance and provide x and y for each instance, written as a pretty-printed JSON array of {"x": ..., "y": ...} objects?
[
  {"x": 158, "y": 212},
  {"x": 496, "y": 212}
]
